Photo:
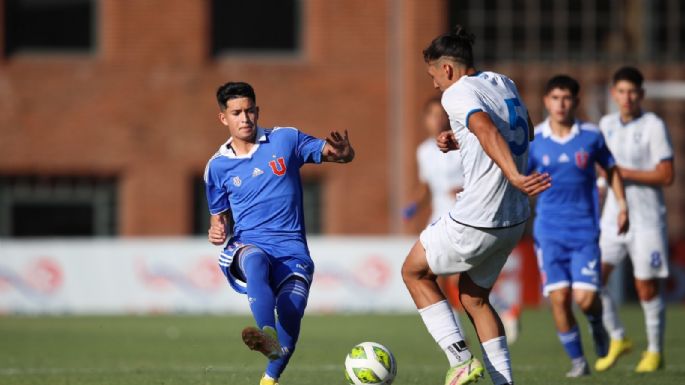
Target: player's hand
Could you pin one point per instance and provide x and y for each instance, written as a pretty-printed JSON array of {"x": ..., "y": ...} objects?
[
  {"x": 447, "y": 141},
  {"x": 216, "y": 235},
  {"x": 623, "y": 222},
  {"x": 533, "y": 184},
  {"x": 339, "y": 147}
]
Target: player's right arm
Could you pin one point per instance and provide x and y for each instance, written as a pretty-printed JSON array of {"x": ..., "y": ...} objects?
[
  {"x": 498, "y": 150},
  {"x": 217, "y": 228}
]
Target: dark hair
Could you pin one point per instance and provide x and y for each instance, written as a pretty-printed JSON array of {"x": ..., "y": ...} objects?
[
  {"x": 457, "y": 45},
  {"x": 630, "y": 74},
  {"x": 234, "y": 90},
  {"x": 563, "y": 82}
]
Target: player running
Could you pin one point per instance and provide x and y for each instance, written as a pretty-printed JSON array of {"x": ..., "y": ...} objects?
[
  {"x": 441, "y": 179},
  {"x": 491, "y": 131},
  {"x": 255, "y": 177},
  {"x": 640, "y": 142},
  {"x": 566, "y": 224}
]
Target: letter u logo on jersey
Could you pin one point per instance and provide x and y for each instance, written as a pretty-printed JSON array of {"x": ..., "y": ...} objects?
[
  {"x": 582, "y": 158},
  {"x": 278, "y": 169}
]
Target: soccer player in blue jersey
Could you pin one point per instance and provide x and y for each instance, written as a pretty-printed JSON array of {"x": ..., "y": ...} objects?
[
  {"x": 255, "y": 177},
  {"x": 566, "y": 226}
]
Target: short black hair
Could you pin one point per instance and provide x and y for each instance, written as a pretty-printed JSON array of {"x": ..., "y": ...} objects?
[
  {"x": 630, "y": 74},
  {"x": 234, "y": 90},
  {"x": 563, "y": 82},
  {"x": 457, "y": 45}
]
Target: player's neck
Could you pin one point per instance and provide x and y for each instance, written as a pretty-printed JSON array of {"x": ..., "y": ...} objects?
[
  {"x": 629, "y": 116},
  {"x": 561, "y": 129},
  {"x": 242, "y": 147}
]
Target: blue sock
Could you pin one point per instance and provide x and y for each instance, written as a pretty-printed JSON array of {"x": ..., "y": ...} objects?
[
  {"x": 254, "y": 264},
  {"x": 571, "y": 342},
  {"x": 290, "y": 304},
  {"x": 599, "y": 334}
]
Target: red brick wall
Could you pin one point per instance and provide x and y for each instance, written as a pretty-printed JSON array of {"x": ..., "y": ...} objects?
[{"x": 142, "y": 106}]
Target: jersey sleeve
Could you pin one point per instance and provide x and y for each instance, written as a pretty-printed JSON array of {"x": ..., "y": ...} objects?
[
  {"x": 660, "y": 146},
  {"x": 217, "y": 196},
  {"x": 309, "y": 148},
  {"x": 461, "y": 103},
  {"x": 604, "y": 156}
]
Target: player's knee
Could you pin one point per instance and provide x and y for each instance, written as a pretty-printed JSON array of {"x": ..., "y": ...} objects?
[
  {"x": 415, "y": 266},
  {"x": 646, "y": 290},
  {"x": 585, "y": 299},
  {"x": 472, "y": 302},
  {"x": 560, "y": 298}
]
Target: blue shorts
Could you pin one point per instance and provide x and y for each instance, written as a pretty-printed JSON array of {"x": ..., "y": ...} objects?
[
  {"x": 282, "y": 268},
  {"x": 568, "y": 263}
]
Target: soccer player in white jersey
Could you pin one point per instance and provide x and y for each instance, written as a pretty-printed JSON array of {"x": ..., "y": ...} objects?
[
  {"x": 491, "y": 130},
  {"x": 441, "y": 178},
  {"x": 642, "y": 148}
]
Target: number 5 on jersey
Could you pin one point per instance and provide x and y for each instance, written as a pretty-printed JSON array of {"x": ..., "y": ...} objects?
[{"x": 518, "y": 138}]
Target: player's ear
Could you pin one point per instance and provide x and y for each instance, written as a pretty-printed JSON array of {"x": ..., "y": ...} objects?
[
  {"x": 256, "y": 112},
  {"x": 449, "y": 70},
  {"x": 222, "y": 118}
]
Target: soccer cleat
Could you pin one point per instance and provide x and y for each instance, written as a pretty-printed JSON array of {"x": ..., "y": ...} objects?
[
  {"x": 267, "y": 381},
  {"x": 650, "y": 362},
  {"x": 617, "y": 348},
  {"x": 264, "y": 341},
  {"x": 579, "y": 369},
  {"x": 466, "y": 373}
]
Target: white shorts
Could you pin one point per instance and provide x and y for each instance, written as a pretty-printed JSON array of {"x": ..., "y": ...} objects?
[
  {"x": 454, "y": 248},
  {"x": 648, "y": 250}
]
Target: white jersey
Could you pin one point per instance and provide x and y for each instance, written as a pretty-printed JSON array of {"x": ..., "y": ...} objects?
[
  {"x": 640, "y": 144},
  {"x": 488, "y": 199},
  {"x": 442, "y": 172}
]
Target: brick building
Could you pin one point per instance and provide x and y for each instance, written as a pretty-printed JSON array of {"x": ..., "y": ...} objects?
[{"x": 108, "y": 116}]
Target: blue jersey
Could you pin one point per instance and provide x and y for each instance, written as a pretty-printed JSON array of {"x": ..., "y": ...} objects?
[
  {"x": 263, "y": 190},
  {"x": 568, "y": 210}
]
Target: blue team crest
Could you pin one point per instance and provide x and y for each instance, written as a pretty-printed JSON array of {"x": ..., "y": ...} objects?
[
  {"x": 236, "y": 181},
  {"x": 582, "y": 158}
]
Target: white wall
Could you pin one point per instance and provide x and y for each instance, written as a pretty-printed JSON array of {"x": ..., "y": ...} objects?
[{"x": 181, "y": 275}]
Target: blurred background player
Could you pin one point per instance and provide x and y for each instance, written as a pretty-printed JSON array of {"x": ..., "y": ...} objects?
[
  {"x": 642, "y": 147},
  {"x": 441, "y": 178},
  {"x": 566, "y": 226},
  {"x": 489, "y": 217},
  {"x": 255, "y": 176}
]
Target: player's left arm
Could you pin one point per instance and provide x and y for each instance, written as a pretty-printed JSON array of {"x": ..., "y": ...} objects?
[
  {"x": 661, "y": 175},
  {"x": 616, "y": 182},
  {"x": 498, "y": 150},
  {"x": 338, "y": 148}
]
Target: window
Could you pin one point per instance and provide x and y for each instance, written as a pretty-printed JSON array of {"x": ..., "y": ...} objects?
[
  {"x": 575, "y": 30},
  {"x": 36, "y": 206},
  {"x": 49, "y": 25},
  {"x": 313, "y": 209},
  {"x": 255, "y": 26},
  {"x": 311, "y": 196}
]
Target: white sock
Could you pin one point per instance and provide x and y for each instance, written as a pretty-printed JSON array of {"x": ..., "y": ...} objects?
[
  {"x": 497, "y": 360},
  {"x": 440, "y": 322},
  {"x": 610, "y": 316},
  {"x": 654, "y": 321}
]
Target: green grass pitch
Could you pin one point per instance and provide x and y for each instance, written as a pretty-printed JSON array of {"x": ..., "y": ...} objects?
[{"x": 206, "y": 350}]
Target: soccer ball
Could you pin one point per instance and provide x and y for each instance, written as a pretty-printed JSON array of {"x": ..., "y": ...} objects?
[{"x": 370, "y": 363}]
